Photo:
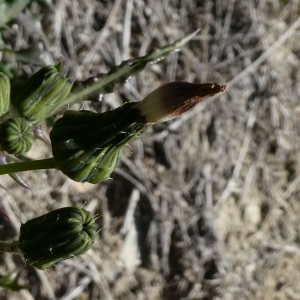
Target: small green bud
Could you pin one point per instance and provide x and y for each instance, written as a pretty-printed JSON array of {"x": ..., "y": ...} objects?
[
  {"x": 56, "y": 236},
  {"x": 86, "y": 146},
  {"x": 16, "y": 136},
  {"x": 42, "y": 95},
  {"x": 4, "y": 94}
]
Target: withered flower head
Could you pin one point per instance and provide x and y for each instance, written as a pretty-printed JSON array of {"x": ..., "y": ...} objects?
[{"x": 174, "y": 98}]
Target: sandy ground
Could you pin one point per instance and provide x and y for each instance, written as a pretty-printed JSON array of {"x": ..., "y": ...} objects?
[{"x": 202, "y": 207}]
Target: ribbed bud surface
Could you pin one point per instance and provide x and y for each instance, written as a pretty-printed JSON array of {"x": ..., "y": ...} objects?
[
  {"x": 16, "y": 136},
  {"x": 56, "y": 236},
  {"x": 86, "y": 146},
  {"x": 4, "y": 94},
  {"x": 42, "y": 95}
]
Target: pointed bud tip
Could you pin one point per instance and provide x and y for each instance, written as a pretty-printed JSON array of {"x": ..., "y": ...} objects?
[
  {"x": 210, "y": 89},
  {"x": 174, "y": 98}
]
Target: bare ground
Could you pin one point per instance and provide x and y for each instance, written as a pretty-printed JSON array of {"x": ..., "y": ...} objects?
[{"x": 204, "y": 207}]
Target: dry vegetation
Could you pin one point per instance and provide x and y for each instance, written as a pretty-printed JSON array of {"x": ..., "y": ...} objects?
[{"x": 204, "y": 207}]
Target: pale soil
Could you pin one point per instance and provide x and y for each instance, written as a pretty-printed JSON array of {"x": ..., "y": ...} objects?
[{"x": 211, "y": 200}]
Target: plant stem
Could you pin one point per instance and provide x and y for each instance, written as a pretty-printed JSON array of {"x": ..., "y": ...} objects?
[
  {"x": 47, "y": 163},
  {"x": 121, "y": 73}
]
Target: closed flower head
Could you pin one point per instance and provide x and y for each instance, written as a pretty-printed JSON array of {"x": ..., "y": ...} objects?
[
  {"x": 60, "y": 234},
  {"x": 174, "y": 98},
  {"x": 86, "y": 146}
]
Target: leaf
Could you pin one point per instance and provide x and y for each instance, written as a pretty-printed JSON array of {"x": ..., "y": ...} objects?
[
  {"x": 16, "y": 177},
  {"x": 10, "y": 282},
  {"x": 106, "y": 83}
]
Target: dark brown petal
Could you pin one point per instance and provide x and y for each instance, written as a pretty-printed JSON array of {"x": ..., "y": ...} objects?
[{"x": 175, "y": 98}]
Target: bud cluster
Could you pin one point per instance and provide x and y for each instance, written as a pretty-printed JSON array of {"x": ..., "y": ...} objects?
[{"x": 86, "y": 145}]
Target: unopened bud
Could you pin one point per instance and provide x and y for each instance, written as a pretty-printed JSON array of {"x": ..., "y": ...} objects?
[
  {"x": 174, "y": 98},
  {"x": 42, "y": 94},
  {"x": 4, "y": 94},
  {"x": 56, "y": 236},
  {"x": 86, "y": 146},
  {"x": 16, "y": 136}
]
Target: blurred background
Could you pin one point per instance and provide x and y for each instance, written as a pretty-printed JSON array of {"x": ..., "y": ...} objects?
[{"x": 203, "y": 207}]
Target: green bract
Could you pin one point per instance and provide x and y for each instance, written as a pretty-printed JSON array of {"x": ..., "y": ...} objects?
[
  {"x": 4, "y": 94},
  {"x": 86, "y": 146},
  {"x": 16, "y": 136},
  {"x": 42, "y": 95},
  {"x": 56, "y": 236}
]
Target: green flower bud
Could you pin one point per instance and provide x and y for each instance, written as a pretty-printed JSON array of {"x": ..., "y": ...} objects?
[
  {"x": 4, "y": 94},
  {"x": 86, "y": 146},
  {"x": 56, "y": 236},
  {"x": 42, "y": 95},
  {"x": 16, "y": 136}
]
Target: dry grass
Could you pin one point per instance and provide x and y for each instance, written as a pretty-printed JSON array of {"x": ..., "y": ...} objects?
[{"x": 205, "y": 207}]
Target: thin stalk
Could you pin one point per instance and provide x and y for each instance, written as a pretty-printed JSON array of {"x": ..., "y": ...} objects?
[
  {"x": 128, "y": 68},
  {"x": 47, "y": 163}
]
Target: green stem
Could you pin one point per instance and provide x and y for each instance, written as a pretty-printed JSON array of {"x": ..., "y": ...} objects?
[
  {"x": 128, "y": 68},
  {"x": 47, "y": 163}
]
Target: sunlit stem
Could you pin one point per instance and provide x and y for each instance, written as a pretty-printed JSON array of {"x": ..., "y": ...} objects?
[
  {"x": 27, "y": 166},
  {"x": 131, "y": 69}
]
